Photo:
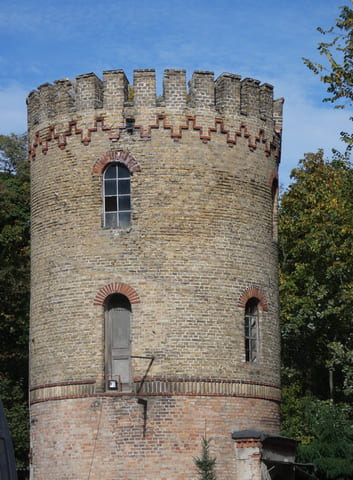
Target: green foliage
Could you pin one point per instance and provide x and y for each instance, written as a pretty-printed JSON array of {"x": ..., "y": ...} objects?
[
  {"x": 338, "y": 53},
  {"x": 331, "y": 447},
  {"x": 13, "y": 152},
  {"x": 316, "y": 287},
  {"x": 325, "y": 432},
  {"x": 337, "y": 71},
  {"x": 342, "y": 359},
  {"x": 205, "y": 464},
  {"x": 14, "y": 288},
  {"x": 316, "y": 272},
  {"x": 293, "y": 421}
]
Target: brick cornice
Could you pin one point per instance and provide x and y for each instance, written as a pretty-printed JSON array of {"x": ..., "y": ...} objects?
[{"x": 254, "y": 139}]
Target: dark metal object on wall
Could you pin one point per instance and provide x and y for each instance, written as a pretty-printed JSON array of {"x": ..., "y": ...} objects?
[{"x": 7, "y": 458}]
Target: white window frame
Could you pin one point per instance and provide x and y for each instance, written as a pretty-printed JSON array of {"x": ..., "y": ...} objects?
[{"x": 120, "y": 186}]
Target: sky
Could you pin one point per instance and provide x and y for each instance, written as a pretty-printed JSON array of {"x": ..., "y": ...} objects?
[{"x": 42, "y": 41}]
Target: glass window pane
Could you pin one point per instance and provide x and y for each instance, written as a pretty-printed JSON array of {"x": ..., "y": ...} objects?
[
  {"x": 247, "y": 327},
  {"x": 110, "y": 187},
  {"x": 111, "y": 220},
  {"x": 124, "y": 203},
  {"x": 253, "y": 328},
  {"x": 124, "y": 186},
  {"x": 247, "y": 353},
  {"x": 117, "y": 195},
  {"x": 124, "y": 219},
  {"x": 110, "y": 204},
  {"x": 110, "y": 172},
  {"x": 123, "y": 172}
]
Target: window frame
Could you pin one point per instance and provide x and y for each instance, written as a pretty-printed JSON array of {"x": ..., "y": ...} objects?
[
  {"x": 251, "y": 330},
  {"x": 116, "y": 196}
]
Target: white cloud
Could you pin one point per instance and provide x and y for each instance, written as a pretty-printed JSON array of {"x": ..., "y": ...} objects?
[
  {"x": 308, "y": 126},
  {"x": 13, "y": 109}
]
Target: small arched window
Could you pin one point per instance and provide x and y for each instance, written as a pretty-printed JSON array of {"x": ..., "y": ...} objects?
[
  {"x": 274, "y": 195},
  {"x": 116, "y": 193},
  {"x": 117, "y": 340},
  {"x": 251, "y": 330}
]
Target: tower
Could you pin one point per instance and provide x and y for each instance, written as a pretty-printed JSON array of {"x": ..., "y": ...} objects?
[{"x": 154, "y": 310}]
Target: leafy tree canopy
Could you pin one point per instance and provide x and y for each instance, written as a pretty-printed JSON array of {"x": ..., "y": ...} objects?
[
  {"x": 326, "y": 434},
  {"x": 332, "y": 446},
  {"x": 337, "y": 69},
  {"x": 316, "y": 274},
  {"x": 14, "y": 288},
  {"x": 13, "y": 152},
  {"x": 337, "y": 72}
]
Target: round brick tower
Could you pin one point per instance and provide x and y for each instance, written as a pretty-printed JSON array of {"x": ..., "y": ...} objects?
[{"x": 154, "y": 314}]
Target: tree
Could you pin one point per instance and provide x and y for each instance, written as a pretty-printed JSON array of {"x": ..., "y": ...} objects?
[
  {"x": 331, "y": 447},
  {"x": 14, "y": 289},
  {"x": 205, "y": 464},
  {"x": 13, "y": 153},
  {"x": 324, "y": 430},
  {"x": 316, "y": 272},
  {"x": 316, "y": 294},
  {"x": 337, "y": 71}
]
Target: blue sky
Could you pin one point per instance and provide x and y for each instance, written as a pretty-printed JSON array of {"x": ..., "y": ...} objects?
[{"x": 42, "y": 41}]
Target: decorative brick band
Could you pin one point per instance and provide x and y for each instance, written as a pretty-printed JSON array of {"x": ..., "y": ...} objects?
[
  {"x": 65, "y": 389},
  {"x": 253, "y": 292},
  {"x": 157, "y": 386},
  {"x": 116, "y": 156},
  {"x": 176, "y": 133},
  {"x": 210, "y": 387},
  {"x": 122, "y": 288},
  {"x": 61, "y": 138}
]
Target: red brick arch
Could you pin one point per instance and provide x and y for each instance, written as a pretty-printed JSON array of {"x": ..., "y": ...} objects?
[
  {"x": 117, "y": 287},
  {"x": 116, "y": 156},
  {"x": 253, "y": 292}
]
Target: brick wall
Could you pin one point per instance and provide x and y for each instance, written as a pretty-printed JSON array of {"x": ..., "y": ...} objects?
[{"x": 106, "y": 437}]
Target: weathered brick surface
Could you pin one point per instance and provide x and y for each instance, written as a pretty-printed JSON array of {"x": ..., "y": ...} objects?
[
  {"x": 201, "y": 236},
  {"x": 105, "y": 438}
]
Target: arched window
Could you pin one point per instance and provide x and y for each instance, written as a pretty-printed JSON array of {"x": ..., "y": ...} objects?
[
  {"x": 116, "y": 193},
  {"x": 274, "y": 195},
  {"x": 251, "y": 329},
  {"x": 117, "y": 340}
]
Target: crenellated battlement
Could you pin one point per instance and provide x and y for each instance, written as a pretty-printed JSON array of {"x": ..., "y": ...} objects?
[{"x": 228, "y": 96}]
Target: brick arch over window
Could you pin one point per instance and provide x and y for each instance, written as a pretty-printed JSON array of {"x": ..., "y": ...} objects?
[
  {"x": 253, "y": 292},
  {"x": 116, "y": 156},
  {"x": 122, "y": 288}
]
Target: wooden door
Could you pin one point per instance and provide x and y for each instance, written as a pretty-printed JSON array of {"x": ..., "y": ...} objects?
[{"x": 118, "y": 340}]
